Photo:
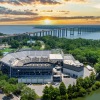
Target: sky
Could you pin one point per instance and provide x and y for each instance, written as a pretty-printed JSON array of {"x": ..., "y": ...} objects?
[{"x": 49, "y": 12}]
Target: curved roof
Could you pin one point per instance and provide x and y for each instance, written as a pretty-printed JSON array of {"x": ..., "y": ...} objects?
[{"x": 22, "y": 57}]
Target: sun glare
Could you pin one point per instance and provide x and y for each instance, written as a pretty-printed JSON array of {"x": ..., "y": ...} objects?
[{"x": 47, "y": 21}]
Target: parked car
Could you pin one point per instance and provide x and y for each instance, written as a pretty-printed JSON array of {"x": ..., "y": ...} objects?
[{"x": 66, "y": 76}]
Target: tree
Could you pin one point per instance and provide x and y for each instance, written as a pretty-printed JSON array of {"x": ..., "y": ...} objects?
[
  {"x": 97, "y": 67},
  {"x": 8, "y": 88},
  {"x": 94, "y": 87},
  {"x": 50, "y": 93},
  {"x": 28, "y": 94},
  {"x": 1, "y": 54},
  {"x": 2, "y": 84},
  {"x": 46, "y": 90},
  {"x": 75, "y": 94},
  {"x": 14, "y": 44},
  {"x": 86, "y": 83},
  {"x": 97, "y": 84},
  {"x": 55, "y": 93},
  {"x": 37, "y": 43},
  {"x": 18, "y": 88},
  {"x": 13, "y": 81},
  {"x": 92, "y": 57},
  {"x": 74, "y": 88},
  {"x": 58, "y": 98},
  {"x": 46, "y": 94},
  {"x": 82, "y": 92},
  {"x": 1, "y": 73},
  {"x": 46, "y": 97},
  {"x": 3, "y": 77},
  {"x": 62, "y": 89},
  {"x": 69, "y": 90},
  {"x": 92, "y": 78},
  {"x": 64, "y": 97}
]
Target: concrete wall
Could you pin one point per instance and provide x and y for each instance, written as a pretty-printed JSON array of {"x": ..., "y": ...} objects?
[{"x": 73, "y": 73}]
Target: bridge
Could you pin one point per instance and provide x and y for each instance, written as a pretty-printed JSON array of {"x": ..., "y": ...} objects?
[{"x": 60, "y": 33}]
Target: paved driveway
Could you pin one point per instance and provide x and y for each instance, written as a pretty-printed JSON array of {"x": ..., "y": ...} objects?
[
  {"x": 39, "y": 88},
  {"x": 68, "y": 81},
  {"x": 86, "y": 72}
]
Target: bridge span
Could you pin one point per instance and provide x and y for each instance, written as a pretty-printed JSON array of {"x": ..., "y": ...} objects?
[{"x": 60, "y": 33}]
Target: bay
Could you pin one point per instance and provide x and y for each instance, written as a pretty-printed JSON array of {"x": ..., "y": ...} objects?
[{"x": 13, "y": 29}]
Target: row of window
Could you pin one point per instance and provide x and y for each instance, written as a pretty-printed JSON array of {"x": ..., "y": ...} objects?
[{"x": 32, "y": 73}]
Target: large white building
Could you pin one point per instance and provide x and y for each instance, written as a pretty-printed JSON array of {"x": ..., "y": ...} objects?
[{"x": 37, "y": 66}]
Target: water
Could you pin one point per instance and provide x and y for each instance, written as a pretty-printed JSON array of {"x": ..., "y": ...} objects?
[
  {"x": 9, "y": 29},
  {"x": 13, "y": 29},
  {"x": 95, "y": 95}
]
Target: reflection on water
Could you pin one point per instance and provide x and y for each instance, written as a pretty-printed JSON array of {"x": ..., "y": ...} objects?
[
  {"x": 88, "y": 35},
  {"x": 95, "y": 95}
]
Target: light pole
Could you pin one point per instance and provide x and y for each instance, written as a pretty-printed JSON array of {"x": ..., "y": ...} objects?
[
  {"x": 18, "y": 72},
  {"x": 10, "y": 67}
]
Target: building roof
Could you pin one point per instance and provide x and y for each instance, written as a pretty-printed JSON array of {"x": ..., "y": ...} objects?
[
  {"x": 68, "y": 57},
  {"x": 56, "y": 57},
  {"x": 22, "y": 58},
  {"x": 30, "y": 41},
  {"x": 19, "y": 58},
  {"x": 73, "y": 63},
  {"x": 89, "y": 67}
]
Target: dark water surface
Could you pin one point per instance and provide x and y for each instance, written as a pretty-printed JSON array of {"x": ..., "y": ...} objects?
[{"x": 95, "y": 95}]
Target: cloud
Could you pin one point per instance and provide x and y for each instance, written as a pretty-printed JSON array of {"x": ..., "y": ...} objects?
[
  {"x": 77, "y": 0},
  {"x": 97, "y": 6},
  {"x": 47, "y": 11},
  {"x": 52, "y": 18},
  {"x": 4, "y": 10},
  {"x": 22, "y": 2},
  {"x": 65, "y": 18}
]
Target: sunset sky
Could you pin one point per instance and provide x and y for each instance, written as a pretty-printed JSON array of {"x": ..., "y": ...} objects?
[{"x": 43, "y": 12}]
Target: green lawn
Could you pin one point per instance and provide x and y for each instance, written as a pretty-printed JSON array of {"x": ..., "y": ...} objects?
[{"x": 8, "y": 50}]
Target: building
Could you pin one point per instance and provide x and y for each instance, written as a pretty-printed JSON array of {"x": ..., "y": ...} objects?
[
  {"x": 31, "y": 42},
  {"x": 40, "y": 66},
  {"x": 72, "y": 67}
]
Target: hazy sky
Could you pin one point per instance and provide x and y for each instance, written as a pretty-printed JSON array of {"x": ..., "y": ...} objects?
[{"x": 49, "y": 12}]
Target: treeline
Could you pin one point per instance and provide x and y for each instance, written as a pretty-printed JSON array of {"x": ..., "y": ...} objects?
[
  {"x": 1, "y": 34},
  {"x": 80, "y": 89},
  {"x": 19, "y": 44},
  {"x": 10, "y": 86}
]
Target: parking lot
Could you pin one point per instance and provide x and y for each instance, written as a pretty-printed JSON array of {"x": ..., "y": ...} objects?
[
  {"x": 39, "y": 88},
  {"x": 4, "y": 97}
]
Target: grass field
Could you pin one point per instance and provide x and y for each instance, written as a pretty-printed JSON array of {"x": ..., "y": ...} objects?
[{"x": 8, "y": 50}]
